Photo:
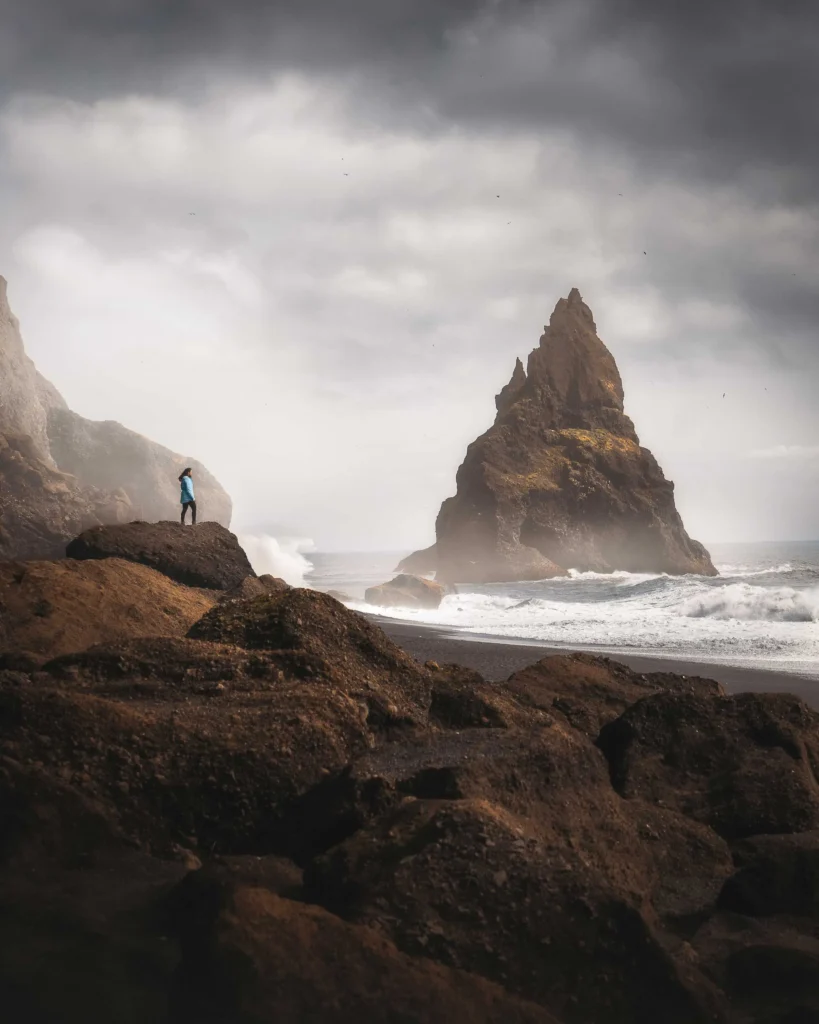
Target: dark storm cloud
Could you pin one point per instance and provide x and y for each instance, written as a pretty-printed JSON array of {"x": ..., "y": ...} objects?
[
  {"x": 715, "y": 93},
  {"x": 109, "y": 45},
  {"x": 724, "y": 87}
]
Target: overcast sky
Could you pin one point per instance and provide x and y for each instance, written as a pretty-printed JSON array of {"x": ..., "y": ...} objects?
[{"x": 306, "y": 244}]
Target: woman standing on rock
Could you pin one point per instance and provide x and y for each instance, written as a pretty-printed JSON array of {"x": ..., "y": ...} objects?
[{"x": 187, "y": 498}]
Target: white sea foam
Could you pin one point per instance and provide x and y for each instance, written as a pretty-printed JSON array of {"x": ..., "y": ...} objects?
[
  {"x": 745, "y": 602},
  {"x": 682, "y": 616},
  {"x": 279, "y": 556}
]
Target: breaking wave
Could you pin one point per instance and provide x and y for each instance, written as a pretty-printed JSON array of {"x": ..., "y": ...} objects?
[
  {"x": 750, "y": 613},
  {"x": 742, "y": 601},
  {"x": 279, "y": 556}
]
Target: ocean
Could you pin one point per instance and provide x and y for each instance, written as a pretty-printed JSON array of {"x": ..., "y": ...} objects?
[{"x": 762, "y": 611}]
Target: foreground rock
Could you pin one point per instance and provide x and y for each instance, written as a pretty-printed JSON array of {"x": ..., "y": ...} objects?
[
  {"x": 256, "y": 586},
  {"x": 282, "y": 816},
  {"x": 475, "y": 888},
  {"x": 590, "y": 691},
  {"x": 406, "y": 591},
  {"x": 52, "y": 608},
  {"x": 743, "y": 765},
  {"x": 250, "y": 956},
  {"x": 388, "y": 683},
  {"x": 560, "y": 480},
  {"x": 61, "y": 474},
  {"x": 210, "y": 759},
  {"x": 776, "y": 874},
  {"x": 206, "y": 555}
]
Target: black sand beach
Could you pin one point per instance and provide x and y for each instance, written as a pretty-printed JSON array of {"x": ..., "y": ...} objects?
[{"x": 498, "y": 660}]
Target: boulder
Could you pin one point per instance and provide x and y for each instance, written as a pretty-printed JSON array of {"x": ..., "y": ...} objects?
[
  {"x": 560, "y": 480},
  {"x": 52, "y": 608},
  {"x": 255, "y": 586},
  {"x": 207, "y": 555},
  {"x": 769, "y": 969},
  {"x": 474, "y": 887},
  {"x": 249, "y": 956},
  {"x": 743, "y": 765},
  {"x": 406, "y": 591},
  {"x": 776, "y": 874},
  {"x": 589, "y": 691},
  {"x": 84, "y": 944},
  {"x": 391, "y": 685},
  {"x": 210, "y": 758}
]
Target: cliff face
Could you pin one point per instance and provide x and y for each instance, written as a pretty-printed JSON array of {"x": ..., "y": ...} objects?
[
  {"x": 61, "y": 474},
  {"x": 560, "y": 480}
]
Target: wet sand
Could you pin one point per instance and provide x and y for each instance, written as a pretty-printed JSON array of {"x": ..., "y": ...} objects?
[{"x": 497, "y": 660}]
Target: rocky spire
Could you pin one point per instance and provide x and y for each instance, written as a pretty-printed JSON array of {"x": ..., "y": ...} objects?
[
  {"x": 560, "y": 481},
  {"x": 510, "y": 392}
]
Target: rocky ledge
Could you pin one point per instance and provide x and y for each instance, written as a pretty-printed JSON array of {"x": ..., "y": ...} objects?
[{"x": 277, "y": 814}]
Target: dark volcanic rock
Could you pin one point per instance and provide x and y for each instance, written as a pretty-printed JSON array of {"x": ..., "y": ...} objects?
[
  {"x": 61, "y": 474},
  {"x": 406, "y": 591},
  {"x": 743, "y": 765},
  {"x": 472, "y": 886},
  {"x": 560, "y": 480},
  {"x": 589, "y": 691},
  {"x": 52, "y": 608},
  {"x": 769, "y": 969},
  {"x": 422, "y": 562},
  {"x": 212, "y": 758},
  {"x": 391, "y": 684},
  {"x": 777, "y": 874},
  {"x": 255, "y": 586},
  {"x": 206, "y": 555},
  {"x": 250, "y": 957}
]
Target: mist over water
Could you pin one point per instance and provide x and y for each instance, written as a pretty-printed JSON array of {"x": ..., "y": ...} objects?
[{"x": 761, "y": 611}]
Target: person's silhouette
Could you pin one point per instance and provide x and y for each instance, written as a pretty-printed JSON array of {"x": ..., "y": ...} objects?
[{"x": 187, "y": 498}]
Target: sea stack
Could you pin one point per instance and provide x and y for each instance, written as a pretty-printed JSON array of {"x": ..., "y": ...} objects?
[
  {"x": 61, "y": 474},
  {"x": 560, "y": 481}
]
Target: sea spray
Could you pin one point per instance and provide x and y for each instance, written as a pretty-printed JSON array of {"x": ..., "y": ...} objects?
[{"x": 279, "y": 556}]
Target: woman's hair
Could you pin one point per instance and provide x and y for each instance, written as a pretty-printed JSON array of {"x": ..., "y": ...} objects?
[{"x": 184, "y": 473}]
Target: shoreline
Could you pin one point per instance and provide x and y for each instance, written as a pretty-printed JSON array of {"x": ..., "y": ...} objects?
[{"x": 497, "y": 659}]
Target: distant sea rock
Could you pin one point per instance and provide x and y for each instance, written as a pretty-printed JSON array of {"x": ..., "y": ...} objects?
[
  {"x": 406, "y": 591},
  {"x": 560, "y": 481},
  {"x": 61, "y": 474}
]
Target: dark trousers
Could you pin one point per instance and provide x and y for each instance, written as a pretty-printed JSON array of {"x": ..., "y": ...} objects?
[{"x": 192, "y": 506}]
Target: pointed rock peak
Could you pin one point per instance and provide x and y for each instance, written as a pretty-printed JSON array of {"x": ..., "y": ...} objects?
[
  {"x": 572, "y": 306},
  {"x": 3, "y": 293},
  {"x": 574, "y": 367},
  {"x": 506, "y": 399}
]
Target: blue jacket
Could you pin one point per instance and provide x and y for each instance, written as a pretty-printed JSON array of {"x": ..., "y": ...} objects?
[{"x": 187, "y": 490}]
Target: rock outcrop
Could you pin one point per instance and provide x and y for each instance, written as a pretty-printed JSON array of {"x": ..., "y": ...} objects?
[
  {"x": 282, "y": 816},
  {"x": 206, "y": 555},
  {"x": 406, "y": 591},
  {"x": 53, "y": 608},
  {"x": 61, "y": 474},
  {"x": 560, "y": 480}
]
